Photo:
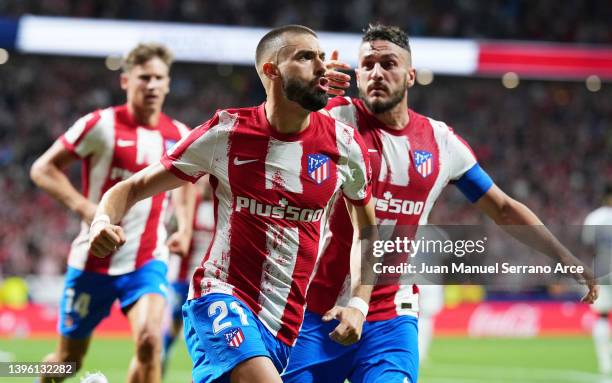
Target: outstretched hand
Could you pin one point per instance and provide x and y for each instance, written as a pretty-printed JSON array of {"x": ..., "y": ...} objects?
[{"x": 338, "y": 82}]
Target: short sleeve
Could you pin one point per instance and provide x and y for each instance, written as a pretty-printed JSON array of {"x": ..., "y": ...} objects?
[
  {"x": 357, "y": 185},
  {"x": 193, "y": 156},
  {"x": 82, "y": 138}
]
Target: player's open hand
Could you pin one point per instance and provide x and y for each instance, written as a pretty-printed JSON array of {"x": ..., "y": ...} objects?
[
  {"x": 105, "y": 238},
  {"x": 338, "y": 82},
  {"x": 350, "y": 327},
  {"x": 178, "y": 243}
]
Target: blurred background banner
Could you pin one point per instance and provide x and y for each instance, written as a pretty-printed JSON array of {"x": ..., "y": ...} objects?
[{"x": 236, "y": 45}]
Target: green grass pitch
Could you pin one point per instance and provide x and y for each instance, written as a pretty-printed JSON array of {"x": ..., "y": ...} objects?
[{"x": 452, "y": 360}]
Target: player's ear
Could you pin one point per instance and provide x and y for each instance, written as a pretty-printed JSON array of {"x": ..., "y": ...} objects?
[
  {"x": 410, "y": 77},
  {"x": 270, "y": 70},
  {"x": 123, "y": 80}
]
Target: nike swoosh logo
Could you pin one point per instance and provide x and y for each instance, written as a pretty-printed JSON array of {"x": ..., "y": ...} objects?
[
  {"x": 125, "y": 143},
  {"x": 238, "y": 162}
]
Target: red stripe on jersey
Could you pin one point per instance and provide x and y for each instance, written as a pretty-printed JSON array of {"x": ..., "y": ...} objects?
[{"x": 148, "y": 240}]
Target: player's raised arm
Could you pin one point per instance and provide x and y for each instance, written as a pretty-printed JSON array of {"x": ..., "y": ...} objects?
[
  {"x": 106, "y": 237},
  {"x": 520, "y": 222}
]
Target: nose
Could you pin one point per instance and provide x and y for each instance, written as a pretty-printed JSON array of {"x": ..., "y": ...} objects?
[
  {"x": 376, "y": 72},
  {"x": 319, "y": 67}
]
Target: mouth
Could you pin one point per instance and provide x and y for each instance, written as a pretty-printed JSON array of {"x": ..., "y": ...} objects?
[
  {"x": 322, "y": 84},
  {"x": 151, "y": 97},
  {"x": 377, "y": 90}
]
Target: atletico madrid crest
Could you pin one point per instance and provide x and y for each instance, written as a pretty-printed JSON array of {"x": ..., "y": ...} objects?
[
  {"x": 234, "y": 337},
  {"x": 318, "y": 167},
  {"x": 423, "y": 162}
]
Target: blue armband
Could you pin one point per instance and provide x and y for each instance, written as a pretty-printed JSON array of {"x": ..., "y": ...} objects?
[{"x": 474, "y": 183}]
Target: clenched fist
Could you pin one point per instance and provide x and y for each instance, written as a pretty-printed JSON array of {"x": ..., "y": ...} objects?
[{"x": 105, "y": 238}]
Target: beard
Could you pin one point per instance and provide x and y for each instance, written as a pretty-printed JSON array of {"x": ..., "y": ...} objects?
[
  {"x": 305, "y": 93},
  {"x": 380, "y": 106}
]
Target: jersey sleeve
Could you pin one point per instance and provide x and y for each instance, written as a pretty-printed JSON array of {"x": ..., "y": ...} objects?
[
  {"x": 343, "y": 110},
  {"x": 357, "y": 185},
  {"x": 465, "y": 172},
  {"x": 82, "y": 138},
  {"x": 193, "y": 156}
]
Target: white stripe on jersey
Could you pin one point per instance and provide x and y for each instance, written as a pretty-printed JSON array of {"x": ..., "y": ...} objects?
[
  {"x": 282, "y": 245},
  {"x": 395, "y": 159},
  {"x": 284, "y": 165},
  {"x": 150, "y": 146},
  {"x": 101, "y": 162}
]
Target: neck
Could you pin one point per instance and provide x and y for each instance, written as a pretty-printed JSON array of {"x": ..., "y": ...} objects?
[
  {"x": 397, "y": 117},
  {"x": 286, "y": 117},
  {"x": 144, "y": 116}
]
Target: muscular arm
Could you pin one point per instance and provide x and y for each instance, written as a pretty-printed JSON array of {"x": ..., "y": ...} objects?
[
  {"x": 106, "y": 237},
  {"x": 514, "y": 216},
  {"x": 47, "y": 173}
]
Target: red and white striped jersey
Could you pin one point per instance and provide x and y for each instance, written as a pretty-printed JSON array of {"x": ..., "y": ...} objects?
[
  {"x": 410, "y": 167},
  {"x": 180, "y": 269},
  {"x": 112, "y": 147},
  {"x": 271, "y": 193}
]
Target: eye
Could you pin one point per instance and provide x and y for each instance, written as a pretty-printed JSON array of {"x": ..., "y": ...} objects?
[{"x": 389, "y": 64}]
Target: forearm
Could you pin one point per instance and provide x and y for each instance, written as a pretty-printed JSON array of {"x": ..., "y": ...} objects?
[
  {"x": 362, "y": 260},
  {"x": 116, "y": 201},
  {"x": 53, "y": 181}
]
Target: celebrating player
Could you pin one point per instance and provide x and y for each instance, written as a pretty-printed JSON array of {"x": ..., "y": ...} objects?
[
  {"x": 113, "y": 144},
  {"x": 413, "y": 157},
  {"x": 274, "y": 169}
]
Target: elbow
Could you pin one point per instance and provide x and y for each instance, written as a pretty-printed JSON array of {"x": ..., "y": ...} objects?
[{"x": 37, "y": 171}]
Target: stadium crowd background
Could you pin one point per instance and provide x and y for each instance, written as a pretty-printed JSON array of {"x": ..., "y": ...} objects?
[{"x": 548, "y": 143}]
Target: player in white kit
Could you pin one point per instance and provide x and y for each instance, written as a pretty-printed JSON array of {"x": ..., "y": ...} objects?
[
  {"x": 597, "y": 232},
  {"x": 112, "y": 144},
  {"x": 274, "y": 169}
]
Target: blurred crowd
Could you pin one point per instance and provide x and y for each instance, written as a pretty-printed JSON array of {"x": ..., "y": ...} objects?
[
  {"x": 546, "y": 143},
  {"x": 553, "y": 20}
]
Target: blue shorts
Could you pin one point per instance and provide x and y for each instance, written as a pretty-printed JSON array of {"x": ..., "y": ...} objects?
[
  {"x": 221, "y": 332},
  {"x": 88, "y": 296},
  {"x": 387, "y": 352},
  {"x": 180, "y": 290}
]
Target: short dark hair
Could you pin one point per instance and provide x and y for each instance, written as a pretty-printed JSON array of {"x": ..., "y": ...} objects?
[
  {"x": 389, "y": 33},
  {"x": 269, "y": 39},
  {"x": 145, "y": 52}
]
